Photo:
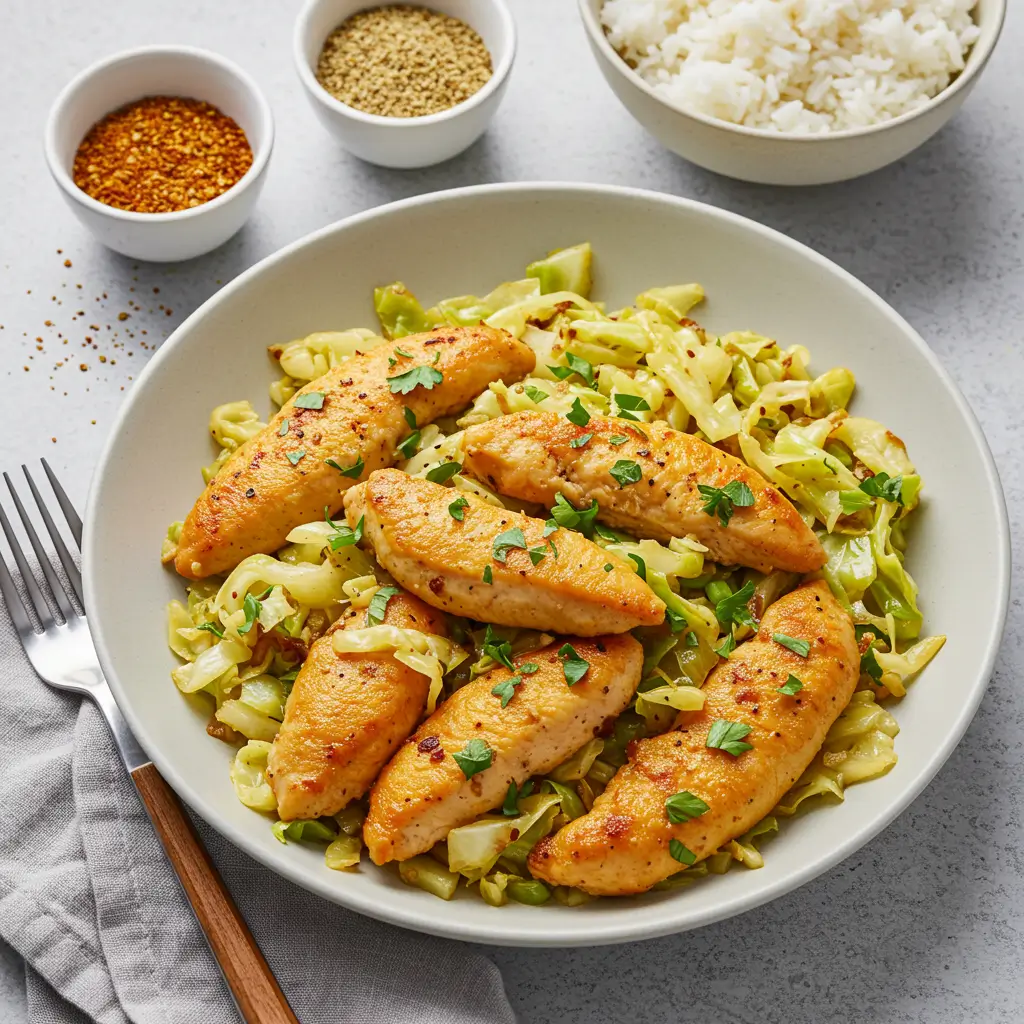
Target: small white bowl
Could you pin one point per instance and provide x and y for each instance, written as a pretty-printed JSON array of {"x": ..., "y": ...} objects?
[
  {"x": 785, "y": 158},
  {"x": 160, "y": 71},
  {"x": 406, "y": 142}
]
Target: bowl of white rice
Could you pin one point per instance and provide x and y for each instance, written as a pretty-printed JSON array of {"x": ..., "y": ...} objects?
[{"x": 792, "y": 92}]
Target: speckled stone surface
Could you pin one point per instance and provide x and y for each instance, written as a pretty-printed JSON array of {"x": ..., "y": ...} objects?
[{"x": 925, "y": 923}]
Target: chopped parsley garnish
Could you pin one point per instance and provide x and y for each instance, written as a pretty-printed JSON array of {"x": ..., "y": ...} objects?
[
  {"x": 684, "y": 806},
  {"x": 550, "y": 526},
  {"x": 723, "y": 500},
  {"x": 252, "y": 608},
  {"x": 576, "y": 365},
  {"x": 528, "y": 668},
  {"x": 488, "y": 576},
  {"x": 791, "y": 686},
  {"x": 410, "y": 417},
  {"x": 457, "y": 509},
  {"x": 284, "y": 428},
  {"x": 440, "y": 474},
  {"x": 881, "y": 485},
  {"x": 579, "y": 442},
  {"x": 295, "y": 457},
  {"x": 475, "y": 757},
  {"x": 561, "y": 372},
  {"x": 352, "y": 471},
  {"x": 574, "y": 667},
  {"x": 728, "y": 736},
  {"x": 801, "y": 647},
  {"x": 310, "y": 400},
  {"x": 534, "y": 394},
  {"x": 676, "y": 622},
  {"x": 577, "y": 414},
  {"x": 565, "y": 514},
  {"x": 407, "y": 448},
  {"x": 343, "y": 536},
  {"x": 618, "y": 439},
  {"x": 608, "y": 566},
  {"x": 379, "y": 605},
  {"x": 609, "y": 535},
  {"x": 734, "y": 607},
  {"x": 506, "y": 541},
  {"x": 869, "y": 665},
  {"x": 510, "y": 808},
  {"x": 392, "y": 361},
  {"x": 537, "y": 553},
  {"x": 506, "y": 689},
  {"x": 418, "y": 376},
  {"x": 727, "y": 646},
  {"x": 498, "y": 649},
  {"x": 634, "y": 403},
  {"x": 641, "y": 566},
  {"x": 626, "y": 472},
  {"x": 212, "y": 627},
  {"x": 853, "y": 501},
  {"x": 681, "y": 853},
  {"x": 403, "y": 353},
  {"x": 691, "y": 639}
]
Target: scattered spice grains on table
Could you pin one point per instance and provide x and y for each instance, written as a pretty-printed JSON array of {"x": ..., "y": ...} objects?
[
  {"x": 403, "y": 61},
  {"x": 161, "y": 154}
]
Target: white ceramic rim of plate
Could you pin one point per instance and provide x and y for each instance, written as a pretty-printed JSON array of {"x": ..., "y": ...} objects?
[
  {"x": 60, "y": 173},
  {"x": 593, "y": 28},
  {"x": 636, "y": 926}
]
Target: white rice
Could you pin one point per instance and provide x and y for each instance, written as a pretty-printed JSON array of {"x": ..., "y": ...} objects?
[{"x": 805, "y": 66}]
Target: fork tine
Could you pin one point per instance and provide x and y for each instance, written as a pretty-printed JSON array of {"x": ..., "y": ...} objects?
[
  {"x": 55, "y": 586},
  {"x": 15, "y": 607},
  {"x": 41, "y": 607},
  {"x": 74, "y": 576},
  {"x": 65, "y": 504}
]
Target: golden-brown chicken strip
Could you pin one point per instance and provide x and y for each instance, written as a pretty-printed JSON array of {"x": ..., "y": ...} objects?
[
  {"x": 461, "y": 567},
  {"x": 622, "y": 845},
  {"x": 424, "y": 793},
  {"x": 528, "y": 455},
  {"x": 346, "y": 715},
  {"x": 310, "y": 454}
]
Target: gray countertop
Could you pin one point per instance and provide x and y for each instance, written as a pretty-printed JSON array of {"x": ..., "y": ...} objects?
[{"x": 924, "y": 923}]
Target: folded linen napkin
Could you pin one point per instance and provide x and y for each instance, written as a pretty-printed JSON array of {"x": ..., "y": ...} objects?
[{"x": 87, "y": 898}]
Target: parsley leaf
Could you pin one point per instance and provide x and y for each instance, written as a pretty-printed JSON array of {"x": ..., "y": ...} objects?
[
  {"x": 634, "y": 403},
  {"x": 801, "y": 647},
  {"x": 475, "y": 757},
  {"x": 310, "y": 400},
  {"x": 676, "y": 622},
  {"x": 561, "y": 372},
  {"x": 882, "y": 486},
  {"x": 682, "y": 807},
  {"x": 608, "y": 566},
  {"x": 214, "y": 628},
  {"x": 498, "y": 649},
  {"x": 488, "y": 576},
  {"x": 252, "y": 609},
  {"x": 284, "y": 428},
  {"x": 681, "y": 853},
  {"x": 403, "y": 353},
  {"x": 641, "y": 566},
  {"x": 869, "y": 664},
  {"x": 407, "y": 448},
  {"x": 618, "y": 439},
  {"x": 791, "y": 686},
  {"x": 550, "y": 526},
  {"x": 728, "y": 736},
  {"x": 528, "y": 668},
  {"x": 534, "y": 394},
  {"x": 565, "y": 514},
  {"x": 457, "y": 508},
  {"x": 418, "y": 376},
  {"x": 510, "y": 808},
  {"x": 352, "y": 471},
  {"x": 576, "y": 365},
  {"x": 343, "y": 535},
  {"x": 853, "y": 501},
  {"x": 734, "y": 607},
  {"x": 723, "y": 499},
  {"x": 296, "y": 457},
  {"x": 379, "y": 605},
  {"x": 577, "y": 414},
  {"x": 439, "y": 474},
  {"x": 506, "y": 541},
  {"x": 537, "y": 553},
  {"x": 691, "y": 639},
  {"x": 626, "y": 472},
  {"x": 579, "y": 442},
  {"x": 410, "y": 417},
  {"x": 574, "y": 667},
  {"x": 506, "y": 689},
  {"x": 727, "y": 646}
]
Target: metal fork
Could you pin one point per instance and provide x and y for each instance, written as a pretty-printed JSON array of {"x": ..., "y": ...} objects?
[{"x": 62, "y": 654}]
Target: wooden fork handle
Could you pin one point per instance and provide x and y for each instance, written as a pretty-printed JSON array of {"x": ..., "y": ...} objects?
[{"x": 259, "y": 997}]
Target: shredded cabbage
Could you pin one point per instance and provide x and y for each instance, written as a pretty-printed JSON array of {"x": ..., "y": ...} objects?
[{"x": 249, "y": 776}]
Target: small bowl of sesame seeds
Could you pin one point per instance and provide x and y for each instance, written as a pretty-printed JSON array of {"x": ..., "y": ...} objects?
[
  {"x": 403, "y": 85},
  {"x": 160, "y": 151}
]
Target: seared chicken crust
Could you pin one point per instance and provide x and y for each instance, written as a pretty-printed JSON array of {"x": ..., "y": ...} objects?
[
  {"x": 622, "y": 845},
  {"x": 528, "y": 456},
  {"x": 423, "y": 794},
  {"x": 346, "y": 715},
  {"x": 446, "y": 562},
  {"x": 281, "y": 478}
]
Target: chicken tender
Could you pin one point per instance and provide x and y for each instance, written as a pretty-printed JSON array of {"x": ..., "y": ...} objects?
[
  {"x": 528, "y": 456},
  {"x": 424, "y": 793},
  {"x": 622, "y": 845},
  {"x": 347, "y": 714},
  {"x": 309, "y": 454},
  {"x": 459, "y": 566}
]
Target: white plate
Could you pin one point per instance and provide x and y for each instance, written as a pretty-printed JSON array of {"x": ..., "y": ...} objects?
[{"x": 467, "y": 241}]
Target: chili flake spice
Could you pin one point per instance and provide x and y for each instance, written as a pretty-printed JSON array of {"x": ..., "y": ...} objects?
[
  {"x": 403, "y": 61},
  {"x": 160, "y": 155}
]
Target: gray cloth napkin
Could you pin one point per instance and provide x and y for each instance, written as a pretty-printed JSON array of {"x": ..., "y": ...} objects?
[{"x": 87, "y": 898}]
